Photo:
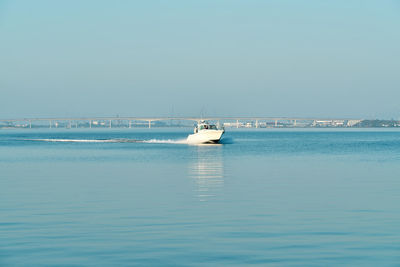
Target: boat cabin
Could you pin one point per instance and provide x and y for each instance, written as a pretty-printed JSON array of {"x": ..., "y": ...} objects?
[{"x": 204, "y": 125}]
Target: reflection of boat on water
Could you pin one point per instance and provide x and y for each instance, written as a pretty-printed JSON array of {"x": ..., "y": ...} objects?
[
  {"x": 205, "y": 132},
  {"x": 207, "y": 170}
]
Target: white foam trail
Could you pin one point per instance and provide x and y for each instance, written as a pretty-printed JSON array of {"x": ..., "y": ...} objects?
[
  {"x": 151, "y": 141},
  {"x": 75, "y": 140},
  {"x": 122, "y": 140},
  {"x": 167, "y": 141}
]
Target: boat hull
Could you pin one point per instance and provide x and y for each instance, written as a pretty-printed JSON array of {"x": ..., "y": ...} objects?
[{"x": 205, "y": 136}]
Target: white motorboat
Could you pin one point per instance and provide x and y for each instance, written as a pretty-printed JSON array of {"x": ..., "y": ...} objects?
[{"x": 205, "y": 132}]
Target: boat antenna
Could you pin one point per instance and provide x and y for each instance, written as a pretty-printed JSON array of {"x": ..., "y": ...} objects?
[{"x": 202, "y": 112}]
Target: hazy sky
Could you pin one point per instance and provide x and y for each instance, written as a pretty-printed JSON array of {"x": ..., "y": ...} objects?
[{"x": 216, "y": 57}]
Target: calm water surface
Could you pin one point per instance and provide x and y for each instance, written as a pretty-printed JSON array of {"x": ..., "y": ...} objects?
[{"x": 144, "y": 198}]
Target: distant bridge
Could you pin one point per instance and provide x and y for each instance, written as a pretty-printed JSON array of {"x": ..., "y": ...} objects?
[{"x": 75, "y": 122}]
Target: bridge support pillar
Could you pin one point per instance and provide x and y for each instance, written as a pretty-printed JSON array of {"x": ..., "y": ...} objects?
[
  {"x": 110, "y": 124},
  {"x": 50, "y": 124},
  {"x": 90, "y": 123},
  {"x": 30, "y": 124},
  {"x": 237, "y": 123},
  {"x": 149, "y": 124},
  {"x": 256, "y": 123},
  {"x": 276, "y": 123},
  {"x": 130, "y": 124}
]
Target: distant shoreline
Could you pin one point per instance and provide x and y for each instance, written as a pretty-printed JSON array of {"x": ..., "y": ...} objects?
[{"x": 243, "y": 123}]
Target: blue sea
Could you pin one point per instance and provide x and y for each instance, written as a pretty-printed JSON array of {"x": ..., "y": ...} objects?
[{"x": 143, "y": 197}]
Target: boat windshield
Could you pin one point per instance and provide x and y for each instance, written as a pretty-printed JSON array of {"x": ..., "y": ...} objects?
[{"x": 207, "y": 127}]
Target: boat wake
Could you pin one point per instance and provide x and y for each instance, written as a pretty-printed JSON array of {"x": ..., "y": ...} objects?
[
  {"x": 125, "y": 140},
  {"x": 118, "y": 140},
  {"x": 164, "y": 141}
]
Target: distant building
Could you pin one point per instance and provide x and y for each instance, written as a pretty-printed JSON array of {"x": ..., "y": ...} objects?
[{"x": 351, "y": 123}]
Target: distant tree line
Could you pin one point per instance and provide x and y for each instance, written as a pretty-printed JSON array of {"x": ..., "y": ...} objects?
[{"x": 377, "y": 123}]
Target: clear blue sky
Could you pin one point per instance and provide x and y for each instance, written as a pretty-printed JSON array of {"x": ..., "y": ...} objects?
[{"x": 216, "y": 57}]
